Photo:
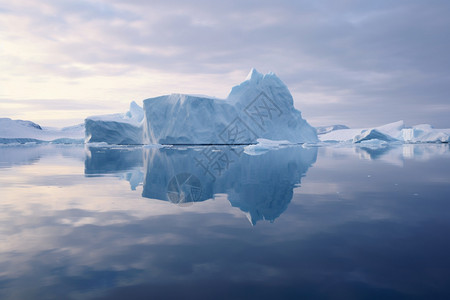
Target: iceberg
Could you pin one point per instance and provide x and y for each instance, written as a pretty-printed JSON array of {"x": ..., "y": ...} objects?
[
  {"x": 425, "y": 133},
  {"x": 260, "y": 107},
  {"x": 21, "y": 132},
  {"x": 118, "y": 129},
  {"x": 392, "y": 132},
  {"x": 389, "y": 133}
]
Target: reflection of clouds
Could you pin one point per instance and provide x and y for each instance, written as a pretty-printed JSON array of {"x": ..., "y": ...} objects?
[
  {"x": 206, "y": 259},
  {"x": 98, "y": 238},
  {"x": 11, "y": 155}
]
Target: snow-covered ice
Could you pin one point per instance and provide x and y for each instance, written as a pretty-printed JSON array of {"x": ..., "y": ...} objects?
[
  {"x": 260, "y": 107},
  {"x": 19, "y": 131}
]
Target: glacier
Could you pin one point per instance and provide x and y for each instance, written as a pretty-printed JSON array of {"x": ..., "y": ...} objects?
[{"x": 260, "y": 107}]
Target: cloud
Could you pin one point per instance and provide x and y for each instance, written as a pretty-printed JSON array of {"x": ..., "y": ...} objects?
[{"x": 351, "y": 51}]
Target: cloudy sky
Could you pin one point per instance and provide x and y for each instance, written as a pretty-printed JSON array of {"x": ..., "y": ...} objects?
[{"x": 360, "y": 63}]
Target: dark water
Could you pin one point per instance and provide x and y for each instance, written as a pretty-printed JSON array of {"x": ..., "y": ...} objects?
[{"x": 216, "y": 223}]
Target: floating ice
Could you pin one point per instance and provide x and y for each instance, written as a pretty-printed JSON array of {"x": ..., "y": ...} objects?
[{"x": 264, "y": 145}]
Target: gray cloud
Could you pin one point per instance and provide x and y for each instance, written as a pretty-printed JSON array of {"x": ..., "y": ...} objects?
[{"x": 382, "y": 61}]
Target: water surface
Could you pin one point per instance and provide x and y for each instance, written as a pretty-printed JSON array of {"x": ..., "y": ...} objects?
[{"x": 331, "y": 222}]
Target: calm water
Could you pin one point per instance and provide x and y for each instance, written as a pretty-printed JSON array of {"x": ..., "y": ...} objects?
[{"x": 216, "y": 223}]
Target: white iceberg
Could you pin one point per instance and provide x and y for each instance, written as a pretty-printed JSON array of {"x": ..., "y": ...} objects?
[
  {"x": 119, "y": 129},
  {"x": 389, "y": 133},
  {"x": 392, "y": 132},
  {"x": 260, "y": 107},
  {"x": 19, "y": 132},
  {"x": 425, "y": 133}
]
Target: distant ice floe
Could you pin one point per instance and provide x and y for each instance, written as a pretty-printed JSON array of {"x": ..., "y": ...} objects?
[{"x": 392, "y": 132}]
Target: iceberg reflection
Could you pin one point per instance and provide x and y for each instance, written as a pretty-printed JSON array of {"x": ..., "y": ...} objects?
[
  {"x": 396, "y": 154},
  {"x": 259, "y": 185}
]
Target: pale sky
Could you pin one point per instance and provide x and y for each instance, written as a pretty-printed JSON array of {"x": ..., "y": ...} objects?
[{"x": 359, "y": 63}]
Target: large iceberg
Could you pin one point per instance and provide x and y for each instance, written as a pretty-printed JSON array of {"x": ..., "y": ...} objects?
[
  {"x": 260, "y": 107},
  {"x": 119, "y": 129},
  {"x": 392, "y": 132}
]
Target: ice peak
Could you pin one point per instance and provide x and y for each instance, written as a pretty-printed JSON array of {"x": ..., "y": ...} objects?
[
  {"x": 254, "y": 75},
  {"x": 136, "y": 113},
  {"x": 134, "y": 105}
]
